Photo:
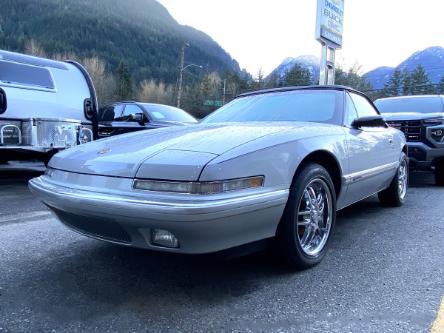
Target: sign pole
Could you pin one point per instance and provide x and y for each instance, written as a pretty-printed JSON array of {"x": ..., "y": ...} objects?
[
  {"x": 329, "y": 28},
  {"x": 323, "y": 74},
  {"x": 331, "y": 66},
  {"x": 327, "y": 69}
]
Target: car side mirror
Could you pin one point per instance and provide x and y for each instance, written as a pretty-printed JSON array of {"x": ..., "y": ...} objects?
[
  {"x": 372, "y": 121},
  {"x": 138, "y": 117}
]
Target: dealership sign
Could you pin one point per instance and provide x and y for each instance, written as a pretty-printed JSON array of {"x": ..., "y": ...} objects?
[{"x": 330, "y": 22}]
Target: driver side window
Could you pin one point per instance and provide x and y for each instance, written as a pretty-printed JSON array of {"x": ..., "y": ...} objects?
[
  {"x": 350, "y": 111},
  {"x": 363, "y": 107}
]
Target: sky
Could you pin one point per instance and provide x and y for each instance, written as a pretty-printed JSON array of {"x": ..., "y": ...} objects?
[{"x": 262, "y": 33}]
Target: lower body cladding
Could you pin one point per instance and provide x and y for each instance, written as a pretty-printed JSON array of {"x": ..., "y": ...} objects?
[{"x": 174, "y": 223}]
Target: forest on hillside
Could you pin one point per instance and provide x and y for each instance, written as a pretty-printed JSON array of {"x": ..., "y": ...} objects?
[{"x": 140, "y": 32}]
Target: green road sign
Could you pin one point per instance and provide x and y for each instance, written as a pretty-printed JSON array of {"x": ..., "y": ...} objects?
[{"x": 210, "y": 102}]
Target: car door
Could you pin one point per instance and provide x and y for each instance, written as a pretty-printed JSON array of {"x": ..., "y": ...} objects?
[{"x": 371, "y": 153}]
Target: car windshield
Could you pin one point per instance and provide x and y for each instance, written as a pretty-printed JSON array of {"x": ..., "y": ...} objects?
[
  {"x": 168, "y": 113},
  {"x": 298, "y": 105},
  {"x": 417, "y": 104}
]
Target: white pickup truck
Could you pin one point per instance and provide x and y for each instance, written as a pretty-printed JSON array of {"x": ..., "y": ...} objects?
[{"x": 45, "y": 106}]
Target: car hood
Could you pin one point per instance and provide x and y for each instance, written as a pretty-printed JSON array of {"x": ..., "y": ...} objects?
[
  {"x": 410, "y": 116},
  {"x": 159, "y": 152}
]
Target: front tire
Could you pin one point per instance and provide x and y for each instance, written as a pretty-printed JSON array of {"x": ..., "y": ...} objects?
[
  {"x": 309, "y": 218},
  {"x": 395, "y": 194},
  {"x": 439, "y": 173}
]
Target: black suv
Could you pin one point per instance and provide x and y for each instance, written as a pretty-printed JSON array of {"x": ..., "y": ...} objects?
[
  {"x": 421, "y": 118},
  {"x": 125, "y": 117}
]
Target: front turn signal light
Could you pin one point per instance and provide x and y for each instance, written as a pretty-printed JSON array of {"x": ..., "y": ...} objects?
[{"x": 211, "y": 187}]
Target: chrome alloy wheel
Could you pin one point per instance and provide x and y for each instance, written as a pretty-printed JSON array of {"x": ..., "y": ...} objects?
[
  {"x": 315, "y": 214},
  {"x": 402, "y": 179}
]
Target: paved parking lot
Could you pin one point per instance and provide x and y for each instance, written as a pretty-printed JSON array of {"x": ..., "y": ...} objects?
[{"x": 383, "y": 273}]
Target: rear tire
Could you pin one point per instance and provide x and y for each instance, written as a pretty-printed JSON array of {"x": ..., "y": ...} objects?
[
  {"x": 309, "y": 218},
  {"x": 439, "y": 173},
  {"x": 395, "y": 194}
]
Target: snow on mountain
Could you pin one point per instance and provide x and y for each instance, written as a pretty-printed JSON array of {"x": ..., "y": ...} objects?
[
  {"x": 306, "y": 61},
  {"x": 431, "y": 58}
]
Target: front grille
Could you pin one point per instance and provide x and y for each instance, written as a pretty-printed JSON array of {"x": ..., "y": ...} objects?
[
  {"x": 96, "y": 227},
  {"x": 412, "y": 129}
]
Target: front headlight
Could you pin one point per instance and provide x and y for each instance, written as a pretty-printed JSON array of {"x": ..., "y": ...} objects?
[
  {"x": 213, "y": 187},
  {"x": 434, "y": 121},
  {"x": 438, "y": 134}
]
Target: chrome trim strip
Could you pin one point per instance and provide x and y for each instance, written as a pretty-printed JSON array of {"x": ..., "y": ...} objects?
[
  {"x": 361, "y": 175},
  {"x": 202, "y": 204}
]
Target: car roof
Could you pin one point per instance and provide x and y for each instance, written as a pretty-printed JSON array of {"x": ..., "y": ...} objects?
[
  {"x": 411, "y": 97},
  {"x": 313, "y": 87},
  {"x": 142, "y": 104}
]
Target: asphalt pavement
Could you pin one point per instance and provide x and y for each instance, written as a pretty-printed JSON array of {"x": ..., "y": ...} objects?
[{"x": 384, "y": 272}]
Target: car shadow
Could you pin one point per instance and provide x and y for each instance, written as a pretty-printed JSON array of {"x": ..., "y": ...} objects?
[
  {"x": 20, "y": 172},
  {"x": 421, "y": 179}
]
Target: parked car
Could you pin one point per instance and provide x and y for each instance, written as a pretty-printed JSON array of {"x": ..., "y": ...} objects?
[
  {"x": 125, "y": 117},
  {"x": 274, "y": 164},
  {"x": 421, "y": 119},
  {"x": 45, "y": 106}
]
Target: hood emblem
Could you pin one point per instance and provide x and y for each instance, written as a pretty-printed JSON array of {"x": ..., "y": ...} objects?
[{"x": 103, "y": 151}]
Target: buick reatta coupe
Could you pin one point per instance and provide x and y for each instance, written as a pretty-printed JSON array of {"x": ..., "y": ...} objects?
[{"x": 270, "y": 165}]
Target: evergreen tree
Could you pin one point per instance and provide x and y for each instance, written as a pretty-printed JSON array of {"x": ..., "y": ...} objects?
[
  {"x": 297, "y": 76},
  {"x": 352, "y": 79},
  {"x": 394, "y": 85},
  {"x": 440, "y": 89},
  {"x": 273, "y": 81},
  {"x": 124, "y": 84},
  {"x": 420, "y": 82},
  {"x": 259, "y": 82},
  {"x": 406, "y": 83}
]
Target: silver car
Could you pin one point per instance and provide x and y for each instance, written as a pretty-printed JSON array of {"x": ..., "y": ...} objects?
[{"x": 274, "y": 164}]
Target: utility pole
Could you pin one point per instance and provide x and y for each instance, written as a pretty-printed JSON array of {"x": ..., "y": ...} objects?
[
  {"x": 182, "y": 68},
  {"x": 182, "y": 63}
]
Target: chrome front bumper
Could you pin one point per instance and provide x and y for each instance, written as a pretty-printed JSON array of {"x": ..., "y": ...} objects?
[{"x": 202, "y": 224}]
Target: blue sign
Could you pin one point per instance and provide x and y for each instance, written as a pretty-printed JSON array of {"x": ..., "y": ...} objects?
[{"x": 330, "y": 22}]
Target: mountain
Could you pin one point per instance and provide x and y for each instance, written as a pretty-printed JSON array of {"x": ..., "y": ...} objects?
[
  {"x": 431, "y": 58},
  {"x": 306, "y": 61},
  {"x": 379, "y": 76},
  {"x": 140, "y": 32}
]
